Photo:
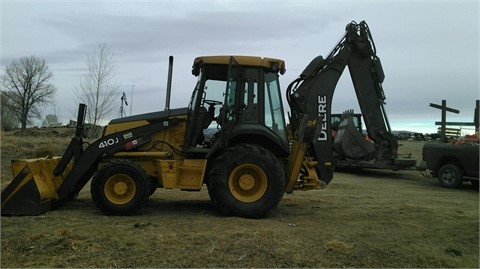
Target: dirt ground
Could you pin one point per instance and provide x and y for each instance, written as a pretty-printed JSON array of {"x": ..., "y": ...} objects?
[{"x": 362, "y": 219}]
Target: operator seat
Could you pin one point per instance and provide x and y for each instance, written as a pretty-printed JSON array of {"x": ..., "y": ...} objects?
[{"x": 203, "y": 120}]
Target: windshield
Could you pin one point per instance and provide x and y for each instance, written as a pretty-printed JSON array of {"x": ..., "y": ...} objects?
[
  {"x": 274, "y": 117},
  {"x": 211, "y": 97}
]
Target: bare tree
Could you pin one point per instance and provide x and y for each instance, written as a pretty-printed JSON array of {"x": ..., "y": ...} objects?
[
  {"x": 8, "y": 121},
  {"x": 27, "y": 87},
  {"x": 96, "y": 88},
  {"x": 51, "y": 120}
]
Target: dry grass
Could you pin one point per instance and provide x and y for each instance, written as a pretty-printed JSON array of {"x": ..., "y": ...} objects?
[
  {"x": 413, "y": 148},
  {"x": 39, "y": 143},
  {"x": 366, "y": 219}
]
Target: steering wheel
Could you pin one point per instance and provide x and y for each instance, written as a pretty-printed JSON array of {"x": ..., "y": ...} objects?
[{"x": 212, "y": 102}]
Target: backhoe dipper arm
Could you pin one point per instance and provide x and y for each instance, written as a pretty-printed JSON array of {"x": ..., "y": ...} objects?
[{"x": 312, "y": 92}]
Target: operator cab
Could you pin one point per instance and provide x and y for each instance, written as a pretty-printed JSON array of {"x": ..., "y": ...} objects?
[{"x": 236, "y": 99}]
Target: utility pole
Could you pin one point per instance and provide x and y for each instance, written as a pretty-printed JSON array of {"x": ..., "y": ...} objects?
[
  {"x": 123, "y": 100},
  {"x": 131, "y": 100}
]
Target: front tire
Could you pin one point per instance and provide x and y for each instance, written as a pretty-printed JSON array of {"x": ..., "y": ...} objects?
[
  {"x": 246, "y": 181},
  {"x": 450, "y": 176},
  {"x": 120, "y": 188}
]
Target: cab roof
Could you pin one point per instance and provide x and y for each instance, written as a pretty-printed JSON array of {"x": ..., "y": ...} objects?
[{"x": 273, "y": 64}]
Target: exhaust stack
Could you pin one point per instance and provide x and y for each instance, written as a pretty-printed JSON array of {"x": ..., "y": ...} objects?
[{"x": 169, "y": 82}]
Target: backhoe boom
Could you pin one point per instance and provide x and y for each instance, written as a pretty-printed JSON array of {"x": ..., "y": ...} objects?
[{"x": 312, "y": 92}]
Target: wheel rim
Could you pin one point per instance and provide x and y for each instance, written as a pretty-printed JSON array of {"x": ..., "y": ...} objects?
[
  {"x": 248, "y": 183},
  {"x": 120, "y": 189},
  {"x": 448, "y": 176}
]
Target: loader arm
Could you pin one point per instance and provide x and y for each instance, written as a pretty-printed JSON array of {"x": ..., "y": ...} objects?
[
  {"x": 105, "y": 147},
  {"x": 43, "y": 184},
  {"x": 312, "y": 92}
]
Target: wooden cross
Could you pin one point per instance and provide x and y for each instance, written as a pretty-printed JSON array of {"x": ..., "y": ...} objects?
[{"x": 443, "y": 123}]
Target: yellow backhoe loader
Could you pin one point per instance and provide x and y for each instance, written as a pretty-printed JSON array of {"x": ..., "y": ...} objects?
[{"x": 232, "y": 138}]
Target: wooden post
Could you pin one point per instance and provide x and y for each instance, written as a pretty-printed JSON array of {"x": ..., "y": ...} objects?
[
  {"x": 443, "y": 135},
  {"x": 476, "y": 116}
]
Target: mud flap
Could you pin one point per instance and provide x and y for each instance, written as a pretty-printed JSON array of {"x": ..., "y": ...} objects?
[
  {"x": 349, "y": 142},
  {"x": 33, "y": 188}
]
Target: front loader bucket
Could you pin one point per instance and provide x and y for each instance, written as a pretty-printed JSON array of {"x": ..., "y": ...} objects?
[
  {"x": 349, "y": 142},
  {"x": 33, "y": 188}
]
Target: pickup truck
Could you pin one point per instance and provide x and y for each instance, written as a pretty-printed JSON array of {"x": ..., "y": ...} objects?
[{"x": 451, "y": 163}]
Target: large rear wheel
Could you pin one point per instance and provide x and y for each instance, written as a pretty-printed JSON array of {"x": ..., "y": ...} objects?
[
  {"x": 120, "y": 188},
  {"x": 246, "y": 180}
]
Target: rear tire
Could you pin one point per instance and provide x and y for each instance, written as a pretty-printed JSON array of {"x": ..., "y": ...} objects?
[
  {"x": 120, "y": 188},
  {"x": 450, "y": 176},
  {"x": 246, "y": 181}
]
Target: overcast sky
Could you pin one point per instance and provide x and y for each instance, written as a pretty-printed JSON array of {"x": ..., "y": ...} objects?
[{"x": 429, "y": 49}]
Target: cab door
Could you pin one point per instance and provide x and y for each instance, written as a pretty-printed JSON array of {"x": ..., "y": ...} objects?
[{"x": 232, "y": 109}]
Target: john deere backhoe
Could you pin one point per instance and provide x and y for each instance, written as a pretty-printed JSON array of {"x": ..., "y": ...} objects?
[{"x": 232, "y": 138}]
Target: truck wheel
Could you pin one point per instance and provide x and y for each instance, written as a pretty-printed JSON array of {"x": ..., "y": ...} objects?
[
  {"x": 450, "y": 176},
  {"x": 120, "y": 187},
  {"x": 474, "y": 184},
  {"x": 246, "y": 181}
]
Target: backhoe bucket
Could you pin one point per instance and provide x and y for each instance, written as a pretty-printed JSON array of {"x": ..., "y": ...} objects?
[
  {"x": 349, "y": 142},
  {"x": 33, "y": 188}
]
